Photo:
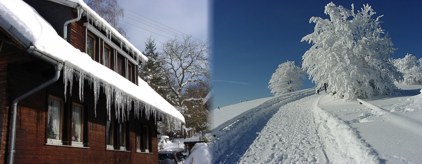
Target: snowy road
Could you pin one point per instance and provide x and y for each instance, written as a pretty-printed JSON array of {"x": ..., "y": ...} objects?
[{"x": 290, "y": 136}]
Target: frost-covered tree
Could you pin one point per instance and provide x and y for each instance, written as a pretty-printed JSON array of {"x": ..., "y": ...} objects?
[
  {"x": 351, "y": 52},
  {"x": 286, "y": 78},
  {"x": 411, "y": 68}
]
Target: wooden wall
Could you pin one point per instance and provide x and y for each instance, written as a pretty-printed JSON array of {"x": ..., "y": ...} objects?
[
  {"x": 32, "y": 124},
  {"x": 21, "y": 72}
]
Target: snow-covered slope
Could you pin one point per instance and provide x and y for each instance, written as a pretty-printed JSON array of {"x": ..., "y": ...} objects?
[
  {"x": 392, "y": 127},
  {"x": 223, "y": 114},
  {"x": 232, "y": 138},
  {"x": 299, "y": 128}
]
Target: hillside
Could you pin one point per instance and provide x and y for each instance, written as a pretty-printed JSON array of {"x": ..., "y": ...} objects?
[{"x": 320, "y": 128}]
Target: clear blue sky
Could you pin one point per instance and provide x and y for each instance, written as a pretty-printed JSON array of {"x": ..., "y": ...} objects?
[{"x": 250, "y": 38}]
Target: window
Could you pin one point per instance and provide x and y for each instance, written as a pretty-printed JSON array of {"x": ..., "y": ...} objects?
[
  {"x": 110, "y": 134},
  {"x": 65, "y": 123},
  {"x": 90, "y": 46},
  {"x": 122, "y": 136},
  {"x": 121, "y": 65},
  {"x": 138, "y": 142},
  {"x": 144, "y": 140},
  {"x": 54, "y": 121},
  {"x": 108, "y": 57},
  {"x": 116, "y": 135},
  {"x": 131, "y": 75},
  {"x": 77, "y": 125}
]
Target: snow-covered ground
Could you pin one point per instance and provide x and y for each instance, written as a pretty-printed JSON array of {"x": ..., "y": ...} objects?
[
  {"x": 393, "y": 129},
  {"x": 223, "y": 114},
  {"x": 289, "y": 136},
  {"x": 233, "y": 137},
  {"x": 323, "y": 129}
]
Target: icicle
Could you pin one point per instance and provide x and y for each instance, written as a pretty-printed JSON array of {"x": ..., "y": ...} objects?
[
  {"x": 119, "y": 103},
  {"x": 168, "y": 123},
  {"x": 116, "y": 105},
  {"x": 136, "y": 109},
  {"x": 81, "y": 85},
  {"x": 96, "y": 94},
  {"x": 128, "y": 106},
  {"x": 109, "y": 94},
  {"x": 155, "y": 116},
  {"x": 67, "y": 79},
  {"x": 147, "y": 111}
]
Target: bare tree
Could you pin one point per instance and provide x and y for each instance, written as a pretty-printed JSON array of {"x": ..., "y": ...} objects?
[
  {"x": 186, "y": 63},
  {"x": 109, "y": 10}
]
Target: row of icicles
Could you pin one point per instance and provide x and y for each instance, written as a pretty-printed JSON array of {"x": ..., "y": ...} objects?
[{"x": 122, "y": 101}]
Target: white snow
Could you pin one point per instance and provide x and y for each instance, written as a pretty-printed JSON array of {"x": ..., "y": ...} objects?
[
  {"x": 286, "y": 78},
  {"x": 76, "y": 63},
  {"x": 223, "y": 114},
  {"x": 166, "y": 145},
  {"x": 341, "y": 143},
  {"x": 411, "y": 68},
  {"x": 99, "y": 21},
  {"x": 290, "y": 136},
  {"x": 325, "y": 129},
  {"x": 232, "y": 138},
  {"x": 350, "y": 52},
  {"x": 199, "y": 154}
]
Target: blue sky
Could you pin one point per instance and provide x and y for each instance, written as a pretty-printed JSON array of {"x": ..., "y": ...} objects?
[
  {"x": 251, "y": 38},
  {"x": 163, "y": 20}
]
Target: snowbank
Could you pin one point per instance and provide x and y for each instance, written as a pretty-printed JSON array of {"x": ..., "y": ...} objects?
[
  {"x": 342, "y": 143},
  {"x": 417, "y": 102},
  {"x": 20, "y": 19},
  {"x": 199, "y": 155}
]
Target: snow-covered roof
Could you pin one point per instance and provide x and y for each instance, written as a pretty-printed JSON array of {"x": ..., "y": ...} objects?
[
  {"x": 102, "y": 23},
  {"x": 23, "y": 22}
]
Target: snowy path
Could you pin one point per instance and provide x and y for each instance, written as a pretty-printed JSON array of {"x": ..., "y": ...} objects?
[
  {"x": 299, "y": 128},
  {"x": 235, "y": 136},
  {"x": 289, "y": 137},
  {"x": 302, "y": 132}
]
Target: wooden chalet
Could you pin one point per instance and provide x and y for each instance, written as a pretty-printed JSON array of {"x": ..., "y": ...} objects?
[{"x": 69, "y": 89}]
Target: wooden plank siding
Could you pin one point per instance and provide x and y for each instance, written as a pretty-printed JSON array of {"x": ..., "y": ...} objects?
[
  {"x": 21, "y": 72},
  {"x": 32, "y": 124}
]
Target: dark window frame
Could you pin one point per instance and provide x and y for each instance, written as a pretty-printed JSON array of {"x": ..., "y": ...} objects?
[
  {"x": 120, "y": 134},
  {"x": 110, "y": 57},
  {"x": 89, "y": 37},
  {"x": 144, "y": 138},
  {"x": 66, "y": 123}
]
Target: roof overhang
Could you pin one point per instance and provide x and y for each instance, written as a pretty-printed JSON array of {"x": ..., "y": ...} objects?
[
  {"x": 100, "y": 21},
  {"x": 27, "y": 26}
]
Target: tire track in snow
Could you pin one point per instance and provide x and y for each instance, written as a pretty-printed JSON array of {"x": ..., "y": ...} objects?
[{"x": 290, "y": 136}]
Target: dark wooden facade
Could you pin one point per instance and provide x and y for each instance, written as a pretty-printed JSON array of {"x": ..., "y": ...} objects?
[{"x": 20, "y": 72}]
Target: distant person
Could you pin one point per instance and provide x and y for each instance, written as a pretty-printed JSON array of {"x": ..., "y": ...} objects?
[{"x": 325, "y": 87}]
